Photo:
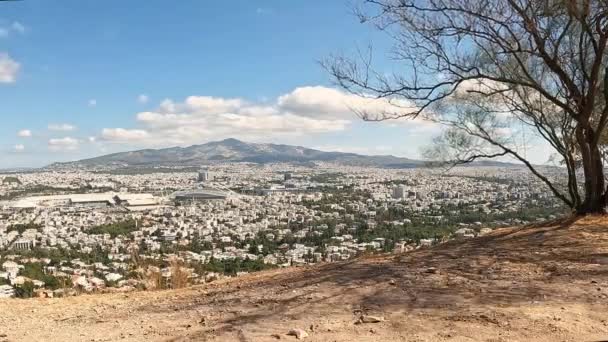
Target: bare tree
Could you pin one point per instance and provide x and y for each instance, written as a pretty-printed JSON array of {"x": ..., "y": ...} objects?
[{"x": 486, "y": 67}]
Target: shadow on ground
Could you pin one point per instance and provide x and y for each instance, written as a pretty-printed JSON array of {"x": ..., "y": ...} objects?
[{"x": 505, "y": 268}]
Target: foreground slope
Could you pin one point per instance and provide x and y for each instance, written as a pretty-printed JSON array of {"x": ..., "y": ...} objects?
[{"x": 537, "y": 283}]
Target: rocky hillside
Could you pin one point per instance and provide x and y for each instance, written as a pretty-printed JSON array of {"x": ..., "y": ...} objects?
[
  {"x": 536, "y": 283},
  {"x": 233, "y": 150}
]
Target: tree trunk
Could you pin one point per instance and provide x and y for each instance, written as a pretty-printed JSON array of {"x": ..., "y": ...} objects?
[
  {"x": 593, "y": 168},
  {"x": 572, "y": 180}
]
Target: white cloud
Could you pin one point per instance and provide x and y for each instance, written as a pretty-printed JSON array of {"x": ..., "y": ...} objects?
[
  {"x": 167, "y": 105},
  {"x": 143, "y": 99},
  {"x": 92, "y": 103},
  {"x": 63, "y": 144},
  {"x": 62, "y": 127},
  {"x": 303, "y": 112},
  {"x": 210, "y": 105},
  {"x": 8, "y": 69},
  {"x": 19, "y": 147},
  {"x": 504, "y": 131},
  {"x": 14, "y": 27},
  {"x": 326, "y": 102},
  {"x": 123, "y": 135},
  {"x": 24, "y": 133},
  {"x": 18, "y": 27}
]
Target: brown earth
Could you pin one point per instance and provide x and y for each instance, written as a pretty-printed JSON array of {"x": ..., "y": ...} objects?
[{"x": 536, "y": 283}]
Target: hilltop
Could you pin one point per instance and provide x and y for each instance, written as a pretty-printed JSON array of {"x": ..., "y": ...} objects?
[
  {"x": 546, "y": 282},
  {"x": 237, "y": 151},
  {"x": 233, "y": 150}
]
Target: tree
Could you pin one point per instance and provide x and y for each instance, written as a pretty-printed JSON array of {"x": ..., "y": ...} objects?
[
  {"x": 491, "y": 71},
  {"x": 26, "y": 290}
]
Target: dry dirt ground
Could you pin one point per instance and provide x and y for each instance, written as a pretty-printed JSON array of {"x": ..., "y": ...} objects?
[{"x": 536, "y": 283}]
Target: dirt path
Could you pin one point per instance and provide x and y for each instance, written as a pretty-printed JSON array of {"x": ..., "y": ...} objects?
[{"x": 547, "y": 283}]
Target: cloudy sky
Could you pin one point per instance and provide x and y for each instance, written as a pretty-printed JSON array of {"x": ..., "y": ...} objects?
[{"x": 85, "y": 78}]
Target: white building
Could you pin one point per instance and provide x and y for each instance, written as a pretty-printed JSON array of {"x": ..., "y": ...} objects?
[
  {"x": 204, "y": 175},
  {"x": 6, "y": 291}
]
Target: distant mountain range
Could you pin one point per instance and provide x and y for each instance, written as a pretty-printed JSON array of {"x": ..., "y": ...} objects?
[{"x": 233, "y": 150}]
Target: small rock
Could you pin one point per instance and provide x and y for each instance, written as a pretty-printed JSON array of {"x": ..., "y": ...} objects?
[
  {"x": 392, "y": 282},
  {"x": 431, "y": 270},
  {"x": 485, "y": 231},
  {"x": 277, "y": 336},
  {"x": 593, "y": 281},
  {"x": 489, "y": 319},
  {"x": 371, "y": 319},
  {"x": 298, "y": 333}
]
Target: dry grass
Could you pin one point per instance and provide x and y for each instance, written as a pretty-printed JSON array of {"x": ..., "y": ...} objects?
[
  {"x": 153, "y": 279},
  {"x": 180, "y": 275}
]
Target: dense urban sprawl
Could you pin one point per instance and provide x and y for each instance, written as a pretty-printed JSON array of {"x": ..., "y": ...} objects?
[{"x": 72, "y": 231}]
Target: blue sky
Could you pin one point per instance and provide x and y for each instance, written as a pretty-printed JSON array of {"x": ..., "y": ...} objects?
[{"x": 81, "y": 78}]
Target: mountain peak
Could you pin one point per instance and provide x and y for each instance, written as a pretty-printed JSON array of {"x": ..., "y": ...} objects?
[
  {"x": 234, "y": 150},
  {"x": 231, "y": 141}
]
